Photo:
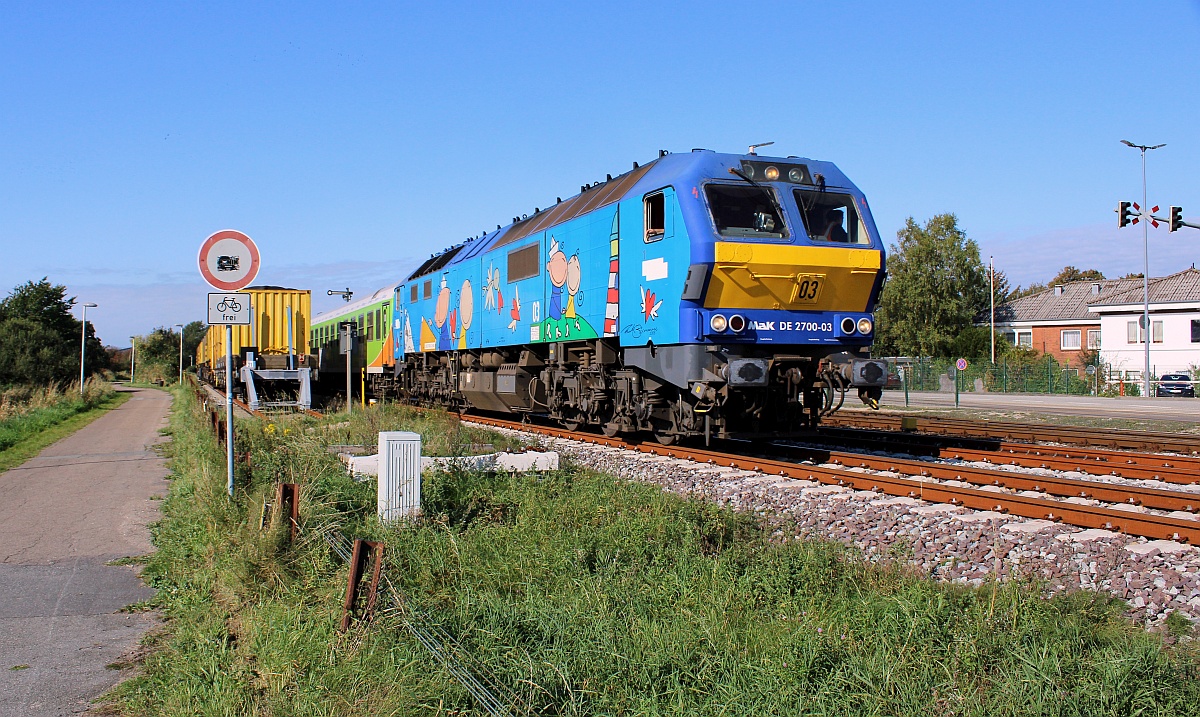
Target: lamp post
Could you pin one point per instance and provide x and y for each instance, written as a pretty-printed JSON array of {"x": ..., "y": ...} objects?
[
  {"x": 83, "y": 343},
  {"x": 1145, "y": 264},
  {"x": 992, "y": 287},
  {"x": 180, "y": 352}
]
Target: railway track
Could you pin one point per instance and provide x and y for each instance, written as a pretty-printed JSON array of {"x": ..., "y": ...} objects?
[
  {"x": 1054, "y": 498},
  {"x": 1181, "y": 470},
  {"x": 1147, "y": 441},
  {"x": 978, "y": 489}
]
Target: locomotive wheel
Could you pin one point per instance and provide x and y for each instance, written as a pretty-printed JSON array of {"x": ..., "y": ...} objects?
[
  {"x": 666, "y": 439},
  {"x": 610, "y": 429},
  {"x": 571, "y": 425}
]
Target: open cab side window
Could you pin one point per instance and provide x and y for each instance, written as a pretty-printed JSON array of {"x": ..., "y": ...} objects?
[{"x": 658, "y": 214}]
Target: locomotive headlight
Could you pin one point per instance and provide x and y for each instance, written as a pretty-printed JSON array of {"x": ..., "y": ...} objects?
[
  {"x": 718, "y": 323},
  {"x": 864, "y": 325},
  {"x": 771, "y": 173},
  {"x": 796, "y": 175},
  {"x": 847, "y": 325},
  {"x": 737, "y": 323}
]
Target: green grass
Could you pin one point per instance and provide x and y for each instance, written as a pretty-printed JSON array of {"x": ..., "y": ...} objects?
[
  {"x": 587, "y": 594},
  {"x": 23, "y": 437}
]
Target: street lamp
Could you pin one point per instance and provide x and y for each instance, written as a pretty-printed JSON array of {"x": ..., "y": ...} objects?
[
  {"x": 180, "y": 352},
  {"x": 83, "y": 343},
  {"x": 1146, "y": 265}
]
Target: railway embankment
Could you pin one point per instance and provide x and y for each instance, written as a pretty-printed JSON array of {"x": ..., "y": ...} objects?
[{"x": 587, "y": 591}]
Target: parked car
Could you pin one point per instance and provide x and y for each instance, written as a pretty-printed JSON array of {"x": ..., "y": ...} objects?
[{"x": 1175, "y": 384}]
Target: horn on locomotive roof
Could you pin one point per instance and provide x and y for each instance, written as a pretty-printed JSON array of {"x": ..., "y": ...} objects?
[{"x": 752, "y": 151}]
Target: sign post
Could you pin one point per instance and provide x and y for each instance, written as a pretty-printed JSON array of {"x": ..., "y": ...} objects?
[
  {"x": 229, "y": 261},
  {"x": 346, "y": 346},
  {"x": 960, "y": 366}
]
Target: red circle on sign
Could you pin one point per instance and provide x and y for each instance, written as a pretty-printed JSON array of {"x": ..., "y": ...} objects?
[{"x": 240, "y": 238}]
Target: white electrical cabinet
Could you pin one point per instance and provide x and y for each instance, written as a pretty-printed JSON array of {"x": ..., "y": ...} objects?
[{"x": 399, "y": 475}]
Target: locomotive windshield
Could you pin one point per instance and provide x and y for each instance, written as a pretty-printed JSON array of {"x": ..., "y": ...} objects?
[
  {"x": 830, "y": 217},
  {"x": 745, "y": 211}
]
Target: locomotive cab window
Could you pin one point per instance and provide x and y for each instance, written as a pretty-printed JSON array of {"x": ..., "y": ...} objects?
[
  {"x": 655, "y": 210},
  {"x": 746, "y": 211},
  {"x": 830, "y": 217},
  {"x": 412, "y": 295},
  {"x": 428, "y": 290}
]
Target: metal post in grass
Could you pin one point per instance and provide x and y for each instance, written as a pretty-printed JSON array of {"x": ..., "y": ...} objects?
[
  {"x": 83, "y": 343},
  {"x": 904, "y": 383},
  {"x": 229, "y": 408},
  {"x": 180, "y": 353}
]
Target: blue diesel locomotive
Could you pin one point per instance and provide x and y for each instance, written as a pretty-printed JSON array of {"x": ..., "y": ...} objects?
[{"x": 702, "y": 294}]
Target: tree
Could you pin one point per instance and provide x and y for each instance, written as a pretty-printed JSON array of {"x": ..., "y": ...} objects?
[
  {"x": 41, "y": 338},
  {"x": 1070, "y": 274},
  {"x": 1066, "y": 276},
  {"x": 193, "y": 334},
  {"x": 936, "y": 286}
]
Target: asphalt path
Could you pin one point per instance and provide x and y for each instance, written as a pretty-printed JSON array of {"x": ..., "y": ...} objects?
[
  {"x": 81, "y": 503},
  {"x": 1127, "y": 407}
]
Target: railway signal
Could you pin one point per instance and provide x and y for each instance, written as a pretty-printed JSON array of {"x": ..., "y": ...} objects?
[{"x": 1124, "y": 215}]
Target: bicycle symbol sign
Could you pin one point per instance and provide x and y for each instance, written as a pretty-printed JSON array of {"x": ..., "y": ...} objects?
[{"x": 229, "y": 308}]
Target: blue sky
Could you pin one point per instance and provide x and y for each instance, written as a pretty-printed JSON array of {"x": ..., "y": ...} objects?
[{"x": 353, "y": 140}]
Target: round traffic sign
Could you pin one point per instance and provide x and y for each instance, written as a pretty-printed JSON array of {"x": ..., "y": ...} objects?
[
  {"x": 961, "y": 364},
  {"x": 228, "y": 260}
]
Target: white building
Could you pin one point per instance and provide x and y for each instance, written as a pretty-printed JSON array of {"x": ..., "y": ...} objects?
[{"x": 1174, "y": 326}]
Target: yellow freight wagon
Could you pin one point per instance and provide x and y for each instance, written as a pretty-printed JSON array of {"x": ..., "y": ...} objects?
[{"x": 269, "y": 331}]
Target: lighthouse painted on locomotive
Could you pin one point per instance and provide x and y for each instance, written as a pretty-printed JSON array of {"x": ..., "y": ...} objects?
[{"x": 700, "y": 294}]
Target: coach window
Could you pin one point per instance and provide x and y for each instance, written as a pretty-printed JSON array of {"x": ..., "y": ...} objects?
[
  {"x": 370, "y": 326},
  {"x": 387, "y": 320},
  {"x": 830, "y": 217},
  {"x": 745, "y": 211},
  {"x": 523, "y": 263}
]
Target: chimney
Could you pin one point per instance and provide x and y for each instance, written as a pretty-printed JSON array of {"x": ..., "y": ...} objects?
[
  {"x": 1096, "y": 289},
  {"x": 1058, "y": 289}
]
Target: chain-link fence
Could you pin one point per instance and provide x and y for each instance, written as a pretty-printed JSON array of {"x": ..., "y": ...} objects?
[{"x": 1042, "y": 374}]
